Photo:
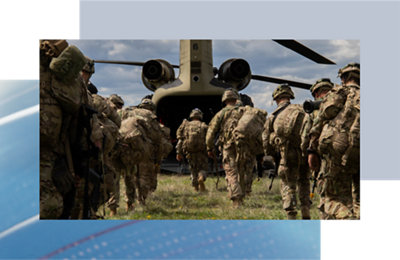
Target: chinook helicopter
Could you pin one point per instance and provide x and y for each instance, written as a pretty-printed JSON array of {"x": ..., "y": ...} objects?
[{"x": 200, "y": 84}]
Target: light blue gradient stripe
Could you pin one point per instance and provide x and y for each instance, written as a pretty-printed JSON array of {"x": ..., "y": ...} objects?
[
  {"x": 166, "y": 239},
  {"x": 19, "y": 153}
]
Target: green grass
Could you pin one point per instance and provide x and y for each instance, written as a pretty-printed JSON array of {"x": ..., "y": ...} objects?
[{"x": 175, "y": 198}]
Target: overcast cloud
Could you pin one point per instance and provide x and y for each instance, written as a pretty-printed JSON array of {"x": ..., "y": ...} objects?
[{"x": 264, "y": 56}]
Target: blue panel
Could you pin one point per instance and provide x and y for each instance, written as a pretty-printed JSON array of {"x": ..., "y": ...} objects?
[
  {"x": 165, "y": 239},
  {"x": 19, "y": 201},
  {"x": 19, "y": 155}
]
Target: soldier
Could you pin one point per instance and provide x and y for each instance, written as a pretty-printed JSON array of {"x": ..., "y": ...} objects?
[
  {"x": 110, "y": 123},
  {"x": 191, "y": 137},
  {"x": 62, "y": 96},
  {"x": 51, "y": 201},
  {"x": 335, "y": 134},
  {"x": 281, "y": 140},
  {"x": 250, "y": 148},
  {"x": 318, "y": 90},
  {"x": 152, "y": 156},
  {"x": 84, "y": 204},
  {"x": 223, "y": 124}
]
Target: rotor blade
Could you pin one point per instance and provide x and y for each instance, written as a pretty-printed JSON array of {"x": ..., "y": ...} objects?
[
  {"x": 305, "y": 51},
  {"x": 134, "y": 63},
  {"x": 282, "y": 81}
]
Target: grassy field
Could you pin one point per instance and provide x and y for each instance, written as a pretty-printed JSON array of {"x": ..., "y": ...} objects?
[{"x": 175, "y": 198}]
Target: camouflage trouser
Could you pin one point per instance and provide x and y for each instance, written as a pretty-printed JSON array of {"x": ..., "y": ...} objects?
[
  {"x": 246, "y": 165},
  {"x": 145, "y": 179},
  {"x": 288, "y": 189},
  {"x": 294, "y": 175},
  {"x": 198, "y": 163},
  {"x": 111, "y": 183},
  {"x": 130, "y": 184},
  {"x": 51, "y": 201},
  {"x": 303, "y": 187},
  {"x": 338, "y": 191},
  {"x": 321, "y": 188},
  {"x": 234, "y": 178}
]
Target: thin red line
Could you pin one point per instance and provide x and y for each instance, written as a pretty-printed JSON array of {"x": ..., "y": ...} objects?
[{"x": 83, "y": 240}]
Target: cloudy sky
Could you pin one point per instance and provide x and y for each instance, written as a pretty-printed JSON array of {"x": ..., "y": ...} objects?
[{"x": 264, "y": 56}]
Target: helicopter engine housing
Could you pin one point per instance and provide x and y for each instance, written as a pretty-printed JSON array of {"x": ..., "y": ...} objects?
[
  {"x": 156, "y": 73},
  {"x": 235, "y": 72}
]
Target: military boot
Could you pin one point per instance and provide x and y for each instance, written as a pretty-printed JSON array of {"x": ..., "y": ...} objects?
[
  {"x": 202, "y": 187},
  {"x": 237, "y": 203},
  {"x": 129, "y": 207},
  {"x": 291, "y": 215},
  {"x": 113, "y": 212},
  {"x": 305, "y": 213}
]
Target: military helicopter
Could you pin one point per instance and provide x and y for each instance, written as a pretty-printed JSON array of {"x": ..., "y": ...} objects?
[{"x": 200, "y": 84}]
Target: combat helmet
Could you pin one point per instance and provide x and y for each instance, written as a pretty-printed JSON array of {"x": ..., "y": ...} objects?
[
  {"x": 321, "y": 83},
  {"x": 146, "y": 103},
  {"x": 89, "y": 66},
  {"x": 283, "y": 89},
  {"x": 230, "y": 94},
  {"x": 117, "y": 100},
  {"x": 351, "y": 69},
  {"x": 196, "y": 113}
]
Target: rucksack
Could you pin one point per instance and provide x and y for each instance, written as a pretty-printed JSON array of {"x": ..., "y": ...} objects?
[
  {"x": 249, "y": 129},
  {"x": 195, "y": 136},
  {"x": 132, "y": 142},
  {"x": 289, "y": 123},
  {"x": 342, "y": 134},
  {"x": 148, "y": 121}
]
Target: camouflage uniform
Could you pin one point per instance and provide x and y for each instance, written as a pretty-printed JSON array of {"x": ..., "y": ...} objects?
[
  {"x": 153, "y": 135},
  {"x": 281, "y": 139},
  {"x": 250, "y": 147},
  {"x": 322, "y": 84},
  {"x": 197, "y": 156},
  {"x": 62, "y": 92},
  {"x": 330, "y": 135},
  {"x": 223, "y": 124},
  {"x": 130, "y": 150},
  {"x": 110, "y": 123}
]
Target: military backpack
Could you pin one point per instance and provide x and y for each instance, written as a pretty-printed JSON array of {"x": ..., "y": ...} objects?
[
  {"x": 194, "y": 136},
  {"x": 249, "y": 129},
  {"x": 288, "y": 125},
  {"x": 341, "y": 135}
]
